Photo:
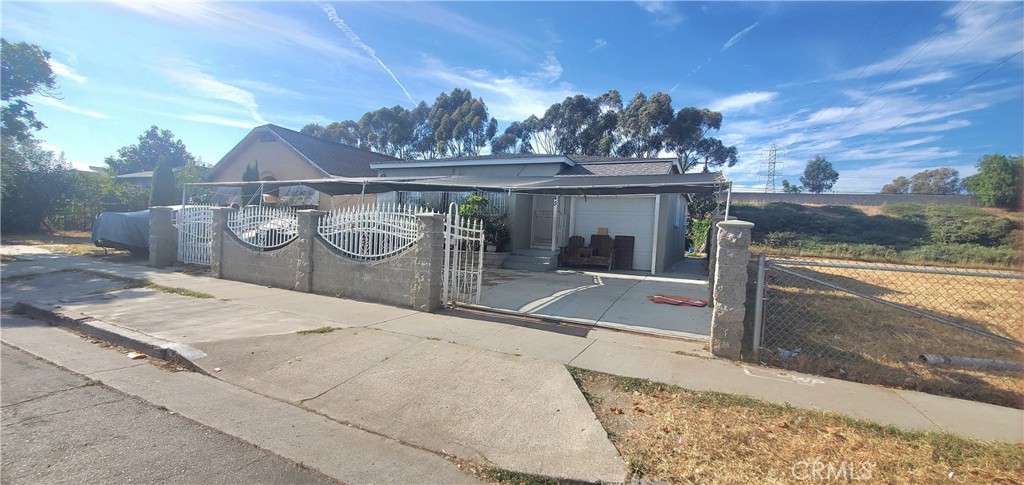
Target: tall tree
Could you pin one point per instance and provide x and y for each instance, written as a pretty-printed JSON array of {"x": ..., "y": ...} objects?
[
  {"x": 899, "y": 185},
  {"x": 250, "y": 194},
  {"x": 165, "y": 185},
  {"x": 686, "y": 134},
  {"x": 24, "y": 70},
  {"x": 641, "y": 126},
  {"x": 154, "y": 145},
  {"x": 819, "y": 175},
  {"x": 789, "y": 188},
  {"x": 939, "y": 181},
  {"x": 998, "y": 182},
  {"x": 582, "y": 125},
  {"x": 460, "y": 124},
  {"x": 515, "y": 139}
]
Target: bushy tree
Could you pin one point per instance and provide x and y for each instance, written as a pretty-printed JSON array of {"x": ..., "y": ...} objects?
[
  {"x": 899, "y": 185},
  {"x": 642, "y": 125},
  {"x": 789, "y": 188},
  {"x": 819, "y": 175},
  {"x": 154, "y": 145},
  {"x": 32, "y": 185},
  {"x": 24, "y": 70},
  {"x": 938, "y": 181},
  {"x": 998, "y": 181}
]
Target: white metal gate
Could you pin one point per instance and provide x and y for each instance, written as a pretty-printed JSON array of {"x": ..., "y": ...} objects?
[
  {"x": 463, "y": 259},
  {"x": 194, "y": 234}
]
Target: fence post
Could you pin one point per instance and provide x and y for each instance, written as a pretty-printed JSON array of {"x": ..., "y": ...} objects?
[
  {"x": 218, "y": 227},
  {"x": 712, "y": 249},
  {"x": 163, "y": 237},
  {"x": 429, "y": 263},
  {"x": 732, "y": 256},
  {"x": 308, "y": 220},
  {"x": 758, "y": 307}
]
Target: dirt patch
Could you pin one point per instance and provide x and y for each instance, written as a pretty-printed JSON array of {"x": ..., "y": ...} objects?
[{"x": 670, "y": 434}]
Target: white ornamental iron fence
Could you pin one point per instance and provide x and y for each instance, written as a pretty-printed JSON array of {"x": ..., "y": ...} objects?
[
  {"x": 264, "y": 227},
  {"x": 194, "y": 224},
  {"x": 463, "y": 259},
  {"x": 371, "y": 232}
]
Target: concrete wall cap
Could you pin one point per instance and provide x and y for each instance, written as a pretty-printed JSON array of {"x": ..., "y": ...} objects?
[{"x": 735, "y": 224}]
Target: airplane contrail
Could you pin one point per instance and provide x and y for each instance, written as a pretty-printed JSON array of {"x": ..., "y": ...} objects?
[{"x": 332, "y": 15}]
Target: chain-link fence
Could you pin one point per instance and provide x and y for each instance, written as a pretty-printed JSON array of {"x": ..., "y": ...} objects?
[{"x": 947, "y": 331}]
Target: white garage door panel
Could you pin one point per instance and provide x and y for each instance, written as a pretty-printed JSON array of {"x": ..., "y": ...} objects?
[{"x": 623, "y": 216}]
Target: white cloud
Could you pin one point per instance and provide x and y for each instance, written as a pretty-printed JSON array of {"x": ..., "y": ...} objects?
[
  {"x": 598, "y": 43},
  {"x": 242, "y": 23},
  {"x": 736, "y": 38},
  {"x": 742, "y": 101},
  {"x": 66, "y": 72},
  {"x": 508, "y": 97},
  {"x": 550, "y": 69},
  {"x": 191, "y": 77},
  {"x": 664, "y": 13},
  {"x": 218, "y": 120},
  {"x": 986, "y": 32},
  {"x": 56, "y": 103},
  {"x": 929, "y": 78}
]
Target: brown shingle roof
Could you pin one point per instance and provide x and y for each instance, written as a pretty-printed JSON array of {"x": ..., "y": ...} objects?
[{"x": 333, "y": 158}]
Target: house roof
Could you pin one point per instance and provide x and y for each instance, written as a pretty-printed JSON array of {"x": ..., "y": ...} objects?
[
  {"x": 706, "y": 182},
  {"x": 612, "y": 166},
  {"x": 329, "y": 157}
]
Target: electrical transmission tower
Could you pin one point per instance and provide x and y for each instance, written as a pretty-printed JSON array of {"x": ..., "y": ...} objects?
[{"x": 771, "y": 166}]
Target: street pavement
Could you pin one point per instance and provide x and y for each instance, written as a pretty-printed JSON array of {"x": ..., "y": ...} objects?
[
  {"x": 450, "y": 383},
  {"x": 59, "y": 427}
]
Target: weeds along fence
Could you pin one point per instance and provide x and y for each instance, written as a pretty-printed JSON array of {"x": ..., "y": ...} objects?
[{"x": 946, "y": 331}]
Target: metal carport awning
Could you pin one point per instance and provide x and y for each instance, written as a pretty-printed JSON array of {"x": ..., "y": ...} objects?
[{"x": 696, "y": 183}]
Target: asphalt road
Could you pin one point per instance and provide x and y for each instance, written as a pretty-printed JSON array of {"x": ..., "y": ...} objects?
[{"x": 59, "y": 427}]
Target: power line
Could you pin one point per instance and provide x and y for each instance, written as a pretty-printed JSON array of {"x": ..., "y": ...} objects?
[
  {"x": 947, "y": 58},
  {"x": 872, "y": 61},
  {"x": 900, "y": 68},
  {"x": 968, "y": 83}
]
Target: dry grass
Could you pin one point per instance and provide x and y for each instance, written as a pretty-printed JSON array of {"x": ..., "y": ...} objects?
[
  {"x": 67, "y": 242},
  {"x": 849, "y": 337},
  {"x": 670, "y": 434}
]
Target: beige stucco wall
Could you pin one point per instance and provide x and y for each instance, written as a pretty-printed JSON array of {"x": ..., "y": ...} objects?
[{"x": 274, "y": 158}]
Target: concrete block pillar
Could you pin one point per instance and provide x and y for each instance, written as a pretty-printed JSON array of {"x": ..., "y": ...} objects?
[
  {"x": 429, "y": 268},
  {"x": 163, "y": 237},
  {"x": 712, "y": 249},
  {"x": 308, "y": 220},
  {"x": 218, "y": 231},
  {"x": 732, "y": 255}
]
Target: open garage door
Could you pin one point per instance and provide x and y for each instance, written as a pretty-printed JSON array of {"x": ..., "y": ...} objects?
[{"x": 623, "y": 216}]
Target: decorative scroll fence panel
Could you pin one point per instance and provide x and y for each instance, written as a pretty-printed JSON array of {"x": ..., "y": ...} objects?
[
  {"x": 194, "y": 233},
  {"x": 264, "y": 227},
  {"x": 371, "y": 232},
  {"x": 463, "y": 259}
]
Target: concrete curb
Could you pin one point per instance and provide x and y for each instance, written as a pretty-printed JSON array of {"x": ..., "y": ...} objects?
[{"x": 147, "y": 344}]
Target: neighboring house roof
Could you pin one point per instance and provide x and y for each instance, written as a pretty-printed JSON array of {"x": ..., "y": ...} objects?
[
  {"x": 136, "y": 175},
  {"x": 613, "y": 166},
  {"x": 329, "y": 157}
]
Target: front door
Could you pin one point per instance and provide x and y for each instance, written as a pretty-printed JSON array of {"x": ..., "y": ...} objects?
[{"x": 543, "y": 212}]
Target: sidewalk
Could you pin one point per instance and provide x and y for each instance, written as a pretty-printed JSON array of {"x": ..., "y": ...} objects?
[{"x": 253, "y": 315}]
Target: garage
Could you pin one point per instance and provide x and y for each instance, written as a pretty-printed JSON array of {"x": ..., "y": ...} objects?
[{"x": 623, "y": 216}]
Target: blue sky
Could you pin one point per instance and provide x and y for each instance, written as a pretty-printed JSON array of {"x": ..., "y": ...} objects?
[{"x": 880, "y": 89}]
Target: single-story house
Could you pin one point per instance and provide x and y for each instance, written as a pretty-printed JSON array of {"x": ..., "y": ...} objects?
[
  {"x": 541, "y": 223},
  {"x": 284, "y": 154}
]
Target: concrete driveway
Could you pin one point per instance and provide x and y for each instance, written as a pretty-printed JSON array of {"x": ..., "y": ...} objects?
[{"x": 606, "y": 299}]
